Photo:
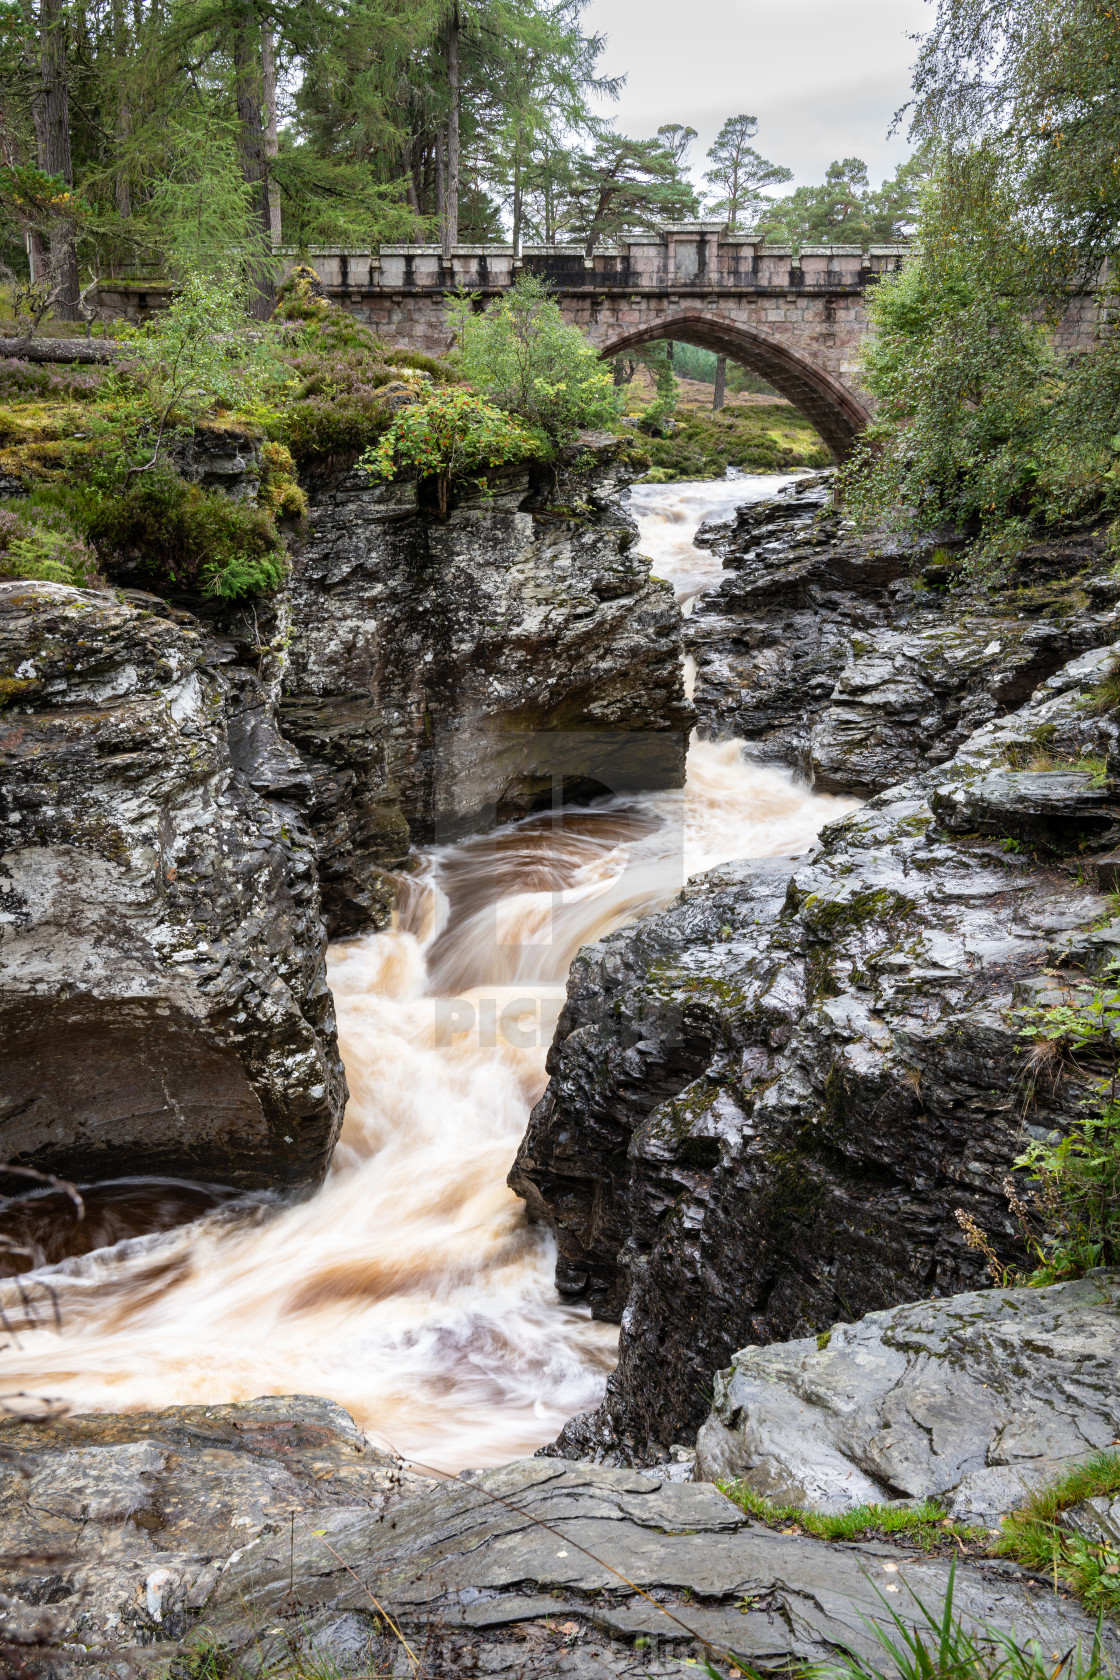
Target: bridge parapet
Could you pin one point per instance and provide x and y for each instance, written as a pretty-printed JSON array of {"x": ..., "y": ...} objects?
[{"x": 690, "y": 256}]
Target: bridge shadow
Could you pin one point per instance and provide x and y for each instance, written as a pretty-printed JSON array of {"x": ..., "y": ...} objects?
[{"x": 838, "y": 415}]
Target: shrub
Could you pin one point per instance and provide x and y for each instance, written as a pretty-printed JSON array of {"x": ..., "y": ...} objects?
[
  {"x": 199, "y": 354},
  {"x": 451, "y": 434},
  {"x": 349, "y": 385},
  {"x": 60, "y": 384},
  {"x": 521, "y": 355},
  {"x": 1069, "y": 1212},
  {"x": 42, "y": 545},
  {"x": 194, "y": 538}
]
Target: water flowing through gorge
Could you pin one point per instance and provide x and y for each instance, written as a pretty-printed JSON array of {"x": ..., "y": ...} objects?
[{"x": 410, "y": 1288}]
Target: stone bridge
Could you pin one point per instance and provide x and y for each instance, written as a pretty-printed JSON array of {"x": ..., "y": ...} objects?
[{"x": 796, "y": 321}]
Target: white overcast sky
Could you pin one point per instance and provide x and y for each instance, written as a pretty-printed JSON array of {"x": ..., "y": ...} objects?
[{"x": 824, "y": 78}]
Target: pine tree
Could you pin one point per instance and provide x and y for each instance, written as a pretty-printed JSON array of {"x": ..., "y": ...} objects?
[{"x": 740, "y": 174}]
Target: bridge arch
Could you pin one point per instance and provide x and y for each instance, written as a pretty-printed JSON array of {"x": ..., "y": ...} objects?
[{"x": 835, "y": 411}]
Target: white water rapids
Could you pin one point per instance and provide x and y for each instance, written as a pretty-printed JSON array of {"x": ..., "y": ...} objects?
[{"x": 410, "y": 1288}]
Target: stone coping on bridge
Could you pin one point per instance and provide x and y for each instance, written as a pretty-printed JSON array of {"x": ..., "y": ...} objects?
[{"x": 687, "y": 258}]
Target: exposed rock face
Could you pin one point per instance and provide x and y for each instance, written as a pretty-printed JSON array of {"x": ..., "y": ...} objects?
[
  {"x": 976, "y": 1400},
  {"x": 272, "y": 1536},
  {"x": 444, "y": 673},
  {"x": 768, "y": 1102},
  {"x": 163, "y": 1000},
  {"x": 844, "y": 655}
]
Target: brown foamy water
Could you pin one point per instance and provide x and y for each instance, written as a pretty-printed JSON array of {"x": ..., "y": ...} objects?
[{"x": 410, "y": 1288}]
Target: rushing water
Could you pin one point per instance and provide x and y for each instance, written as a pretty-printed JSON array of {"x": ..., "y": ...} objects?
[{"x": 411, "y": 1288}]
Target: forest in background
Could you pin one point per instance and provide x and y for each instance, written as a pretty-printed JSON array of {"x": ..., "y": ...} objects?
[{"x": 145, "y": 137}]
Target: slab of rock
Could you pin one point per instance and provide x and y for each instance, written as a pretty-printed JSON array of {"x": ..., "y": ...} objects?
[
  {"x": 115, "y": 1529},
  {"x": 271, "y": 1534},
  {"x": 768, "y": 1103},
  {"x": 163, "y": 1000},
  {"x": 574, "y": 1566},
  {"x": 1059, "y": 810},
  {"x": 975, "y": 1400}
]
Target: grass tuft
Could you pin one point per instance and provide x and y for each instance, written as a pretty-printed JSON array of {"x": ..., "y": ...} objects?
[
  {"x": 1034, "y": 1536},
  {"x": 925, "y": 1524}
]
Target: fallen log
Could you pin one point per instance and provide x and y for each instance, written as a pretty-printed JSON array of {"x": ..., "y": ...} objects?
[{"x": 60, "y": 349}]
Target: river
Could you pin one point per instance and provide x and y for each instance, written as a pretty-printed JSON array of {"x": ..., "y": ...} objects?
[{"x": 410, "y": 1288}]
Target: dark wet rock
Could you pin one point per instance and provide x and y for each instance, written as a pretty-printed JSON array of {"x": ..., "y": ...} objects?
[
  {"x": 444, "y": 674},
  {"x": 864, "y": 660},
  {"x": 163, "y": 1001},
  {"x": 1058, "y": 810},
  {"x": 269, "y": 1535},
  {"x": 118, "y": 1527},
  {"x": 768, "y": 1103},
  {"x": 976, "y": 1400}
]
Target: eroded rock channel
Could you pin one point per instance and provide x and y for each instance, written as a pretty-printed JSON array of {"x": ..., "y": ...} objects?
[{"x": 769, "y": 1095}]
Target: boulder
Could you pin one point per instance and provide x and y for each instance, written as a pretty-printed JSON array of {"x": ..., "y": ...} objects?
[
  {"x": 975, "y": 1400},
  {"x": 163, "y": 999}
]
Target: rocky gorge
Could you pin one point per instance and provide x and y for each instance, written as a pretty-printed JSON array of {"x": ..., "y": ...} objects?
[{"x": 769, "y": 1101}]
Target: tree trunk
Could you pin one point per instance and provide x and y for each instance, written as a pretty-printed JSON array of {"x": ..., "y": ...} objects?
[
  {"x": 51, "y": 115},
  {"x": 122, "y": 186},
  {"x": 246, "y": 74},
  {"x": 441, "y": 191},
  {"x": 450, "y": 226},
  {"x": 720, "y": 395},
  {"x": 271, "y": 140},
  {"x": 517, "y": 195}
]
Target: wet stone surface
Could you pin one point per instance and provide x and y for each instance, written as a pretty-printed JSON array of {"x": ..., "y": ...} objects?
[
  {"x": 976, "y": 1400},
  {"x": 271, "y": 1535}
]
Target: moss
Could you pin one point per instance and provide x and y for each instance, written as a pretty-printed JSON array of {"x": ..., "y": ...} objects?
[
  {"x": 13, "y": 688},
  {"x": 838, "y": 916},
  {"x": 759, "y": 439}
]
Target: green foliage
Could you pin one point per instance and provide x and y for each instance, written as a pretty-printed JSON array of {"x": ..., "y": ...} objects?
[
  {"x": 924, "y": 1524},
  {"x": 1069, "y": 1218},
  {"x": 690, "y": 362},
  {"x": 655, "y": 417},
  {"x": 198, "y": 354},
  {"x": 202, "y": 212},
  {"x": 623, "y": 184},
  {"x": 38, "y": 542},
  {"x": 1032, "y": 84},
  {"x": 450, "y": 435},
  {"x": 845, "y": 210},
  {"x": 347, "y": 382},
  {"x": 521, "y": 355},
  {"x": 1034, "y": 1536},
  {"x": 981, "y": 424},
  {"x": 939, "y": 1646},
  {"x": 188, "y": 537}
]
